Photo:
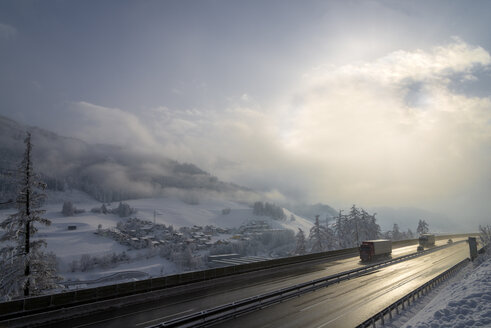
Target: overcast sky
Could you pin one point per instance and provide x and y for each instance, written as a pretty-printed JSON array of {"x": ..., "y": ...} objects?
[{"x": 367, "y": 102}]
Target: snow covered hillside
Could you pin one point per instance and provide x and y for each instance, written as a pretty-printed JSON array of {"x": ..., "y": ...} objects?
[
  {"x": 208, "y": 212},
  {"x": 106, "y": 172},
  {"x": 169, "y": 211},
  {"x": 74, "y": 237}
]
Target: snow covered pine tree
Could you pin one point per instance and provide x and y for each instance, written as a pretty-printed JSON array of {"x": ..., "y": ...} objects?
[
  {"x": 422, "y": 227},
  {"x": 318, "y": 237},
  {"x": 300, "y": 247},
  {"x": 24, "y": 268}
]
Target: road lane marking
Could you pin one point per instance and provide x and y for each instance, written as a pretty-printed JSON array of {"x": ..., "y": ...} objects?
[
  {"x": 122, "y": 316},
  {"x": 161, "y": 318},
  {"x": 314, "y": 305},
  {"x": 104, "y": 320},
  {"x": 326, "y": 323}
]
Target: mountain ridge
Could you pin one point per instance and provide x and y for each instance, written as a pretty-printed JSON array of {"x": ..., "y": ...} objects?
[{"x": 106, "y": 172}]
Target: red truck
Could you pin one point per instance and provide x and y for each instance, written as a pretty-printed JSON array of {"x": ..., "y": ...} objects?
[{"x": 371, "y": 249}]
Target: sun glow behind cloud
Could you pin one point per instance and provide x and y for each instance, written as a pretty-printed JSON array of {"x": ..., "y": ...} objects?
[
  {"x": 355, "y": 122},
  {"x": 388, "y": 131}
]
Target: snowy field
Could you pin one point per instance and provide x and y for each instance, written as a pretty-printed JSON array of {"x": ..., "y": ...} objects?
[{"x": 70, "y": 245}]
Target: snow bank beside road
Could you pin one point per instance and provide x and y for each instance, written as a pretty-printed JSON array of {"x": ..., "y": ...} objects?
[{"x": 466, "y": 303}]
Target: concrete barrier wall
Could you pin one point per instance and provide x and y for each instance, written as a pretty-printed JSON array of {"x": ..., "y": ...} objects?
[
  {"x": 33, "y": 304},
  {"x": 462, "y": 235}
]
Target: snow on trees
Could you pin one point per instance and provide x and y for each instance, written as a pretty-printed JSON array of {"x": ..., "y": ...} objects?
[
  {"x": 123, "y": 210},
  {"x": 300, "y": 247},
  {"x": 485, "y": 235},
  {"x": 321, "y": 237},
  {"x": 369, "y": 226},
  {"x": 316, "y": 236},
  {"x": 341, "y": 227},
  {"x": 69, "y": 210},
  {"x": 396, "y": 233},
  {"x": 351, "y": 229},
  {"x": 330, "y": 236},
  {"x": 422, "y": 227},
  {"x": 267, "y": 209},
  {"x": 24, "y": 267}
]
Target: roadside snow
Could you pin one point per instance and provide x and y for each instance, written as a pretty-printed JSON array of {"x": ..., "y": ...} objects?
[
  {"x": 462, "y": 303},
  {"x": 151, "y": 267}
]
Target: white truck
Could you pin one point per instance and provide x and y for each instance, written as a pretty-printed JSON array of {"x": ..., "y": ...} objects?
[
  {"x": 371, "y": 249},
  {"x": 426, "y": 240}
]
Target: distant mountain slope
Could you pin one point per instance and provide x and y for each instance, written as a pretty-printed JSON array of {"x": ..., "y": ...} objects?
[
  {"x": 310, "y": 211},
  {"x": 108, "y": 173}
]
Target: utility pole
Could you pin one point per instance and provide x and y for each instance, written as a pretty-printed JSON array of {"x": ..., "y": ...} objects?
[{"x": 155, "y": 213}]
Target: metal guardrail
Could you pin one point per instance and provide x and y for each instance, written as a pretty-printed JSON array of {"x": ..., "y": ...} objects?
[
  {"x": 227, "y": 311},
  {"x": 417, "y": 293}
]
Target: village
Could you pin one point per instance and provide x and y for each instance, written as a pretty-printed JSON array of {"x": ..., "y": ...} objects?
[{"x": 137, "y": 233}]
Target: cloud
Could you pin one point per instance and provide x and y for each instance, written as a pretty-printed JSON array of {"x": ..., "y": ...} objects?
[
  {"x": 7, "y": 32},
  {"x": 399, "y": 66},
  {"x": 98, "y": 124},
  {"x": 387, "y": 132},
  {"x": 391, "y": 131},
  {"x": 223, "y": 142}
]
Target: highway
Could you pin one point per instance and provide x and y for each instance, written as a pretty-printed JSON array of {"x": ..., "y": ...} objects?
[
  {"x": 242, "y": 286},
  {"x": 349, "y": 303}
]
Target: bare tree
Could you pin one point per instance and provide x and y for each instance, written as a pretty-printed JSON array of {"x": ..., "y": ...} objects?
[{"x": 24, "y": 268}]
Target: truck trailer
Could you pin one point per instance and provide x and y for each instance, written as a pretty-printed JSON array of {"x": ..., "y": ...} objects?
[
  {"x": 427, "y": 240},
  {"x": 371, "y": 249}
]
